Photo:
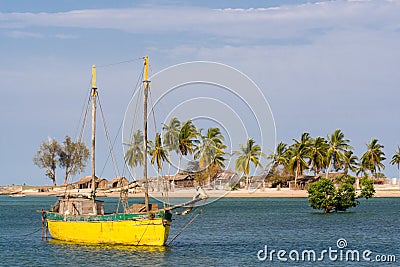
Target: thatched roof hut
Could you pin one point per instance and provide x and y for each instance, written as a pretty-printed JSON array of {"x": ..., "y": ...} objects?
[
  {"x": 86, "y": 183},
  {"x": 304, "y": 180},
  {"x": 118, "y": 181},
  {"x": 226, "y": 179},
  {"x": 331, "y": 175},
  {"x": 226, "y": 176},
  {"x": 182, "y": 180}
]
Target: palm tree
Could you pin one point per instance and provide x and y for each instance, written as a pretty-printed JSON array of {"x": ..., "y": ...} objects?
[
  {"x": 318, "y": 154},
  {"x": 280, "y": 157},
  {"x": 134, "y": 155},
  {"x": 337, "y": 146},
  {"x": 361, "y": 170},
  {"x": 350, "y": 162},
  {"x": 216, "y": 165},
  {"x": 211, "y": 143},
  {"x": 396, "y": 159},
  {"x": 187, "y": 140},
  {"x": 219, "y": 160},
  {"x": 305, "y": 139},
  {"x": 249, "y": 153},
  {"x": 158, "y": 154},
  {"x": 171, "y": 137},
  {"x": 373, "y": 157},
  {"x": 299, "y": 151},
  {"x": 211, "y": 150}
]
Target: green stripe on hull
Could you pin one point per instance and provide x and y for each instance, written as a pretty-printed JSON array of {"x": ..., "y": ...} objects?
[{"x": 107, "y": 217}]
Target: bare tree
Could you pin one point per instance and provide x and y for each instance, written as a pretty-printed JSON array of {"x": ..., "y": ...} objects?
[
  {"x": 47, "y": 158},
  {"x": 73, "y": 157}
]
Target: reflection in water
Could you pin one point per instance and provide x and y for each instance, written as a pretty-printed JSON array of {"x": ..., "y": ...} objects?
[
  {"x": 99, "y": 247},
  {"x": 113, "y": 255}
]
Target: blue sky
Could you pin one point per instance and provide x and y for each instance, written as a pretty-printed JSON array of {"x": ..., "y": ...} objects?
[{"x": 321, "y": 65}]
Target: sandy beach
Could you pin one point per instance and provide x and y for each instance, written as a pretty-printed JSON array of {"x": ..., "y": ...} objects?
[{"x": 381, "y": 191}]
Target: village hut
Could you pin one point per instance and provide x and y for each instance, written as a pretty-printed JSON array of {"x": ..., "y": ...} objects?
[
  {"x": 303, "y": 182},
  {"x": 102, "y": 183},
  {"x": 86, "y": 183},
  {"x": 118, "y": 181},
  {"x": 225, "y": 179},
  {"x": 181, "y": 180}
]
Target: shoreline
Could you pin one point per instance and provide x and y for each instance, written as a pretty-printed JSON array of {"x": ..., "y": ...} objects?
[{"x": 381, "y": 191}]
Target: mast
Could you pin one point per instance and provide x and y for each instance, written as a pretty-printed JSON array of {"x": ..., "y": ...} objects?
[
  {"x": 146, "y": 87},
  {"x": 94, "y": 95}
]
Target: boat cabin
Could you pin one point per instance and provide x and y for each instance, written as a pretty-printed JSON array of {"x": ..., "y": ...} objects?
[{"x": 79, "y": 206}]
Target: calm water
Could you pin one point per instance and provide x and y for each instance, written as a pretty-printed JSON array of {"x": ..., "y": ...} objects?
[{"x": 230, "y": 232}]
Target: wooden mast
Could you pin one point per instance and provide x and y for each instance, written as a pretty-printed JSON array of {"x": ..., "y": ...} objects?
[
  {"x": 146, "y": 87},
  {"x": 94, "y": 95}
]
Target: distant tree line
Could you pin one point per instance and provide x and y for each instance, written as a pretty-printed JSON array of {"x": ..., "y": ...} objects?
[
  {"x": 207, "y": 147},
  {"x": 70, "y": 156},
  {"x": 323, "y": 155}
]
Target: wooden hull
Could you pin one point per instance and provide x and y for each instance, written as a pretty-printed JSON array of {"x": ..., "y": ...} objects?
[{"x": 140, "y": 231}]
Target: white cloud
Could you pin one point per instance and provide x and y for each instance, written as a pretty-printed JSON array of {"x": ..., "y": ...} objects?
[
  {"x": 66, "y": 36},
  {"x": 288, "y": 22},
  {"x": 23, "y": 34}
]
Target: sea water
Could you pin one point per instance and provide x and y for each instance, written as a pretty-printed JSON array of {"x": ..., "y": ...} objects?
[{"x": 228, "y": 232}]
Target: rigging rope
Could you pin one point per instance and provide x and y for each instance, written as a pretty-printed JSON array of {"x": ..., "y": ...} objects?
[
  {"x": 82, "y": 119},
  {"x": 183, "y": 228},
  {"x": 83, "y": 116},
  {"x": 140, "y": 96},
  {"x": 115, "y": 140},
  {"x": 165, "y": 194},
  {"x": 152, "y": 112},
  {"x": 142, "y": 235},
  {"x": 31, "y": 233},
  {"x": 108, "y": 140},
  {"x": 85, "y": 111},
  {"x": 121, "y": 62}
]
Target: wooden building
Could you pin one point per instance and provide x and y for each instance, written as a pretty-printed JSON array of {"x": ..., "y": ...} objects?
[
  {"x": 181, "y": 180},
  {"x": 118, "y": 181},
  {"x": 79, "y": 206},
  {"x": 86, "y": 183},
  {"x": 226, "y": 180}
]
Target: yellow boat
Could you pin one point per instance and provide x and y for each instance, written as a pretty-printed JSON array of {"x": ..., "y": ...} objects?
[
  {"x": 122, "y": 229},
  {"x": 82, "y": 219}
]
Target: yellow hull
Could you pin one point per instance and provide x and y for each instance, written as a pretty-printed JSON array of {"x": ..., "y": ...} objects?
[{"x": 150, "y": 232}]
